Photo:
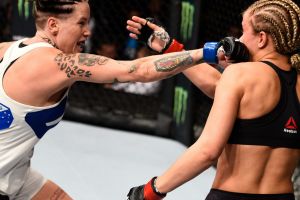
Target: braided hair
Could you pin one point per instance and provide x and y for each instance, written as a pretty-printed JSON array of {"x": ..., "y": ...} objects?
[
  {"x": 45, "y": 8},
  {"x": 281, "y": 19}
]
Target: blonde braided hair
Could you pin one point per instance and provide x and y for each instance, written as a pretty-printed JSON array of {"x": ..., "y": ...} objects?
[{"x": 281, "y": 19}]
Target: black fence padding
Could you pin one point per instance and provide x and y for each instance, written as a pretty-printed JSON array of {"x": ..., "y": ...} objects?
[{"x": 92, "y": 103}]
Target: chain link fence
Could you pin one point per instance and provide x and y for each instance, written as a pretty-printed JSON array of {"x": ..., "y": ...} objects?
[
  {"x": 129, "y": 106},
  {"x": 173, "y": 107}
]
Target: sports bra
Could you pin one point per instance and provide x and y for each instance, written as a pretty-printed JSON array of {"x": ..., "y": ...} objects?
[{"x": 278, "y": 128}]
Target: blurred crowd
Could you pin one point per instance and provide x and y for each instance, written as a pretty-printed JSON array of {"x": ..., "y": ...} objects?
[{"x": 5, "y": 20}]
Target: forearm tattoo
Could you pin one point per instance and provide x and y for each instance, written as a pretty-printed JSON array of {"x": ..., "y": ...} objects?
[
  {"x": 171, "y": 63},
  {"x": 132, "y": 69},
  {"x": 68, "y": 64}
]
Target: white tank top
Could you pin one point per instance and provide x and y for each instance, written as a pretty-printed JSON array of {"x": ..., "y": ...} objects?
[{"x": 21, "y": 126}]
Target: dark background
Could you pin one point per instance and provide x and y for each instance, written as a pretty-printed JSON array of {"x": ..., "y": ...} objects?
[{"x": 160, "y": 113}]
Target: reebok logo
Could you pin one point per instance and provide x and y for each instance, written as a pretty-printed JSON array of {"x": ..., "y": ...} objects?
[{"x": 290, "y": 126}]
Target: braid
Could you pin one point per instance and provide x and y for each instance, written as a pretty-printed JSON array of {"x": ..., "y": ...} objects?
[
  {"x": 55, "y": 6},
  {"x": 274, "y": 17},
  {"x": 45, "y": 8},
  {"x": 295, "y": 61}
]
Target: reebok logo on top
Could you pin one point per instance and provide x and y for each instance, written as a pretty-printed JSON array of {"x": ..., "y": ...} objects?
[{"x": 290, "y": 126}]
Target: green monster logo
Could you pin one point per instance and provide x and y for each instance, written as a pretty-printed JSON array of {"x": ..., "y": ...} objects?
[
  {"x": 180, "y": 105},
  {"x": 187, "y": 20},
  {"x": 23, "y": 8}
]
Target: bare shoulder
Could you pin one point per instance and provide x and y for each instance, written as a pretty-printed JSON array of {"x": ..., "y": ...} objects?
[
  {"x": 5, "y": 44},
  {"x": 45, "y": 55},
  {"x": 71, "y": 65},
  {"x": 246, "y": 75},
  {"x": 237, "y": 70},
  {"x": 249, "y": 70},
  {"x": 3, "y": 47}
]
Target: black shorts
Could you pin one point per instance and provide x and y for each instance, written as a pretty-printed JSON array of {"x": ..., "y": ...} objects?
[{"x": 216, "y": 194}]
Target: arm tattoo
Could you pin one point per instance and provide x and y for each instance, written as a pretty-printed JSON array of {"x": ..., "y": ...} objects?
[
  {"x": 90, "y": 60},
  {"x": 67, "y": 64},
  {"x": 168, "y": 64},
  {"x": 132, "y": 69}
]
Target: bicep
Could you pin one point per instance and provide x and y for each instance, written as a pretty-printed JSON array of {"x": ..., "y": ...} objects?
[{"x": 93, "y": 68}]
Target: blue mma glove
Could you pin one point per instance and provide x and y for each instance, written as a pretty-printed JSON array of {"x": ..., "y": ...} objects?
[{"x": 235, "y": 50}]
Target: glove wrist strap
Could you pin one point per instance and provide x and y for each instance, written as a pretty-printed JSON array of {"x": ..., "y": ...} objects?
[
  {"x": 173, "y": 46},
  {"x": 151, "y": 191}
]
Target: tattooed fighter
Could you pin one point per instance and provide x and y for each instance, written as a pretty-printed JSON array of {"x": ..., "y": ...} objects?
[{"x": 36, "y": 74}]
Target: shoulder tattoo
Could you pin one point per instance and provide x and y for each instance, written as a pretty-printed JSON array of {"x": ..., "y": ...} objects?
[
  {"x": 72, "y": 64},
  {"x": 68, "y": 63}
]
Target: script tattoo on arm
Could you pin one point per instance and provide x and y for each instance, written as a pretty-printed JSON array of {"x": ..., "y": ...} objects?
[
  {"x": 67, "y": 64},
  {"x": 171, "y": 63}
]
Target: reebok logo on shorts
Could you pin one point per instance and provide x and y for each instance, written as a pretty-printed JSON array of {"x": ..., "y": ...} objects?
[{"x": 290, "y": 126}]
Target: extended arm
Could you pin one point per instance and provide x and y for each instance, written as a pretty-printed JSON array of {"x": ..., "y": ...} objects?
[
  {"x": 99, "y": 69},
  {"x": 203, "y": 75},
  {"x": 209, "y": 146}
]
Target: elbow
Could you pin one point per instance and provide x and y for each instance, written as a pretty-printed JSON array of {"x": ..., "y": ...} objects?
[
  {"x": 210, "y": 157},
  {"x": 208, "y": 89},
  {"x": 145, "y": 73}
]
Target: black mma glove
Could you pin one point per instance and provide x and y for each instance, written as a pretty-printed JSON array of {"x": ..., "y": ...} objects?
[
  {"x": 147, "y": 35},
  {"x": 145, "y": 192},
  {"x": 235, "y": 50}
]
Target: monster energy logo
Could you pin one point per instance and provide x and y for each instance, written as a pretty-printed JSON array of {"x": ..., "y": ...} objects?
[
  {"x": 23, "y": 8},
  {"x": 180, "y": 105},
  {"x": 187, "y": 20}
]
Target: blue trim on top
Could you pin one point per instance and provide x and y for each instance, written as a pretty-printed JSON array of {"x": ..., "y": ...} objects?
[{"x": 42, "y": 121}]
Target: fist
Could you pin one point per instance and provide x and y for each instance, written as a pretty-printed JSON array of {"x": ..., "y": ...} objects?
[
  {"x": 136, "y": 193},
  {"x": 145, "y": 192}
]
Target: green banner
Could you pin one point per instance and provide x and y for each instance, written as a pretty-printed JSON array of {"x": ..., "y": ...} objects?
[
  {"x": 24, "y": 8},
  {"x": 187, "y": 20},
  {"x": 180, "y": 105}
]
